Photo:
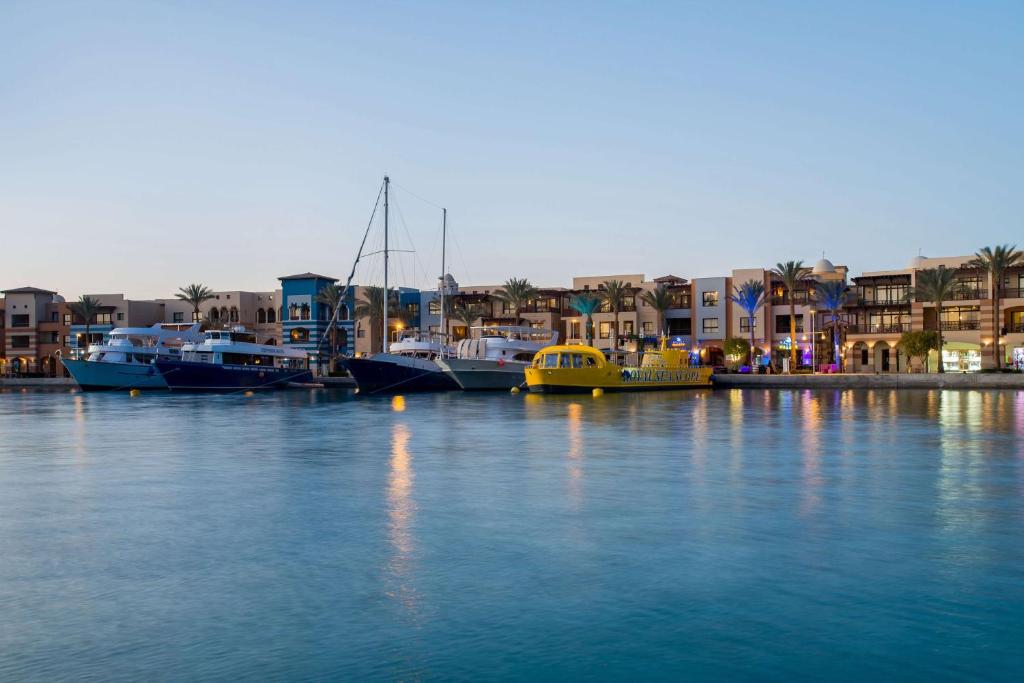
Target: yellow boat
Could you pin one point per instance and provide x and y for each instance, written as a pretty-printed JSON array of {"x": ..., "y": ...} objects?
[{"x": 581, "y": 369}]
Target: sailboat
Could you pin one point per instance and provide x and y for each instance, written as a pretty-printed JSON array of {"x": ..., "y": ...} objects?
[{"x": 408, "y": 364}]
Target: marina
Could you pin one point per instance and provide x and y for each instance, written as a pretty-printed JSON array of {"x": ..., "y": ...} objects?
[{"x": 316, "y": 534}]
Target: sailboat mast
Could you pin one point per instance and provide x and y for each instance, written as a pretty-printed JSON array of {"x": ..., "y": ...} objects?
[
  {"x": 387, "y": 294},
  {"x": 444, "y": 279}
]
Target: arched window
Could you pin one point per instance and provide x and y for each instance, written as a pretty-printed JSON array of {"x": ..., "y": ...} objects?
[
  {"x": 234, "y": 314},
  {"x": 271, "y": 318},
  {"x": 299, "y": 334},
  {"x": 224, "y": 313},
  {"x": 261, "y": 316},
  {"x": 343, "y": 313},
  {"x": 214, "y": 315},
  {"x": 304, "y": 311},
  {"x": 293, "y": 312}
]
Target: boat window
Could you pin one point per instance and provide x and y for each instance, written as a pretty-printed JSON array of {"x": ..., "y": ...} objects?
[
  {"x": 588, "y": 362},
  {"x": 551, "y": 360},
  {"x": 577, "y": 360},
  {"x": 566, "y": 361}
]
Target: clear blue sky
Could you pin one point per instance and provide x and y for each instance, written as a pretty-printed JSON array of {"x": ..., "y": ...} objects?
[{"x": 147, "y": 145}]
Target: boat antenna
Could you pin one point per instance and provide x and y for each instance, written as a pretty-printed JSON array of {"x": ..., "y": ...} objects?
[
  {"x": 387, "y": 294},
  {"x": 444, "y": 278}
]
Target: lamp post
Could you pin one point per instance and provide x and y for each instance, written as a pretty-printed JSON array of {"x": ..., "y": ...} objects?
[{"x": 814, "y": 365}]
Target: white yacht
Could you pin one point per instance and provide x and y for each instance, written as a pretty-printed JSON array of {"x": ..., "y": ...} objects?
[
  {"x": 498, "y": 359},
  {"x": 229, "y": 360},
  {"x": 126, "y": 359}
]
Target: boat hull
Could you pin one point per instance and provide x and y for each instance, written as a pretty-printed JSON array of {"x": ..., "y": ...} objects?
[
  {"x": 190, "y": 376},
  {"x": 615, "y": 379},
  {"x": 391, "y": 374},
  {"x": 101, "y": 376},
  {"x": 483, "y": 375}
]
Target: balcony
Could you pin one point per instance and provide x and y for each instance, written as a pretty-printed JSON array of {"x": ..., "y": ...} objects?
[
  {"x": 891, "y": 328},
  {"x": 1015, "y": 328},
  {"x": 871, "y": 301},
  {"x": 1012, "y": 293},
  {"x": 960, "y": 325},
  {"x": 960, "y": 295},
  {"x": 799, "y": 299}
]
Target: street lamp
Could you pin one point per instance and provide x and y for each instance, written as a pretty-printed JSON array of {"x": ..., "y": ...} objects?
[{"x": 814, "y": 364}]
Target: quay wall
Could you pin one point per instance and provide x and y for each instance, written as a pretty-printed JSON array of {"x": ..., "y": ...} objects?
[
  {"x": 36, "y": 382},
  {"x": 867, "y": 381}
]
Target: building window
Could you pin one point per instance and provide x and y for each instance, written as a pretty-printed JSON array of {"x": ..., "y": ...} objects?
[
  {"x": 234, "y": 314},
  {"x": 434, "y": 307},
  {"x": 710, "y": 299},
  {"x": 299, "y": 334},
  {"x": 19, "y": 320},
  {"x": 627, "y": 328},
  {"x": 271, "y": 317},
  {"x": 746, "y": 323},
  {"x": 261, "y": 316},
  {"x": 709, "y": 325},
  {"x": 782, "y": 324},
  {"x": 178, "y": 317},
  {"x": 53, "y": 316},
  {"x": 413, "y": 310},
  {"x": 67, "y": 340},
  {"x": 680, "y": 326},
  {"x": 605, "y": 330},
  {"x": 20, "y": 342},
  {"x": 67, "y": 319},
  {"x": 360, "y": 332},
  {"x": 574, "y": 329},
  {"x": 648, "y": 328},
  {"x": 120, "y": 316},
  {"x": 103, "y": 319}
]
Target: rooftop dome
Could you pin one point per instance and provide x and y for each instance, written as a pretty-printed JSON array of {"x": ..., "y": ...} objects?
[
  {"x": 823, "y": 266},
  {"x": 918, "y": 262}
]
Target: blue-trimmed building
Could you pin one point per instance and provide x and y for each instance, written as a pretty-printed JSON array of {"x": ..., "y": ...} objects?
[{"x": 304, "y": 320}]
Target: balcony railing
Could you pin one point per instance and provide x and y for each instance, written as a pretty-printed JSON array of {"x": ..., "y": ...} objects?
[
  {"x": 871, "y": 301},
  {"x": 959, "y": 295},
  {"x": 1015, "y": 328},
  {"x": 1012, "y": 293},
  {"x": 960, "y": 325},
  {"x": 800, "y": 299},
  {"x": 892, "y": 328}
]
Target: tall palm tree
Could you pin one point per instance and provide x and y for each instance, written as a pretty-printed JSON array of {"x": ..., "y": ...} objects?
[
  {"x": 660, "y": 300},
  {"x": 86, "y": 308},
  {"x": 330, "y": 296},
  {"x": 750, "y": 297},
  {"x": 831, "y": 296},
  {"x": 516, "y": 293},
  {"x": 586, "y": 305},
  {"x": 372, "y": 306},
  {"x": 467, "y": 315},
  {"x": 936, "y": 285},
  {"x": 195, "y": 294},
  {"x": 995, "y": 261},
  {"x": 613, "y": 292},
  {"x": 792, "y": 273}
]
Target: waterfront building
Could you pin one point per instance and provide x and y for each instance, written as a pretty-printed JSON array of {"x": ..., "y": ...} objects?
[
  {"x": 880, "y": 311},
  {"x": 305, "y": 319},
  {"x": 34, "y": 332},
  {"x": 257, "y": 312}
]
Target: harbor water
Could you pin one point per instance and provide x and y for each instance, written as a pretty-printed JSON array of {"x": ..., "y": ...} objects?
[{"x": 705, "y": 535}]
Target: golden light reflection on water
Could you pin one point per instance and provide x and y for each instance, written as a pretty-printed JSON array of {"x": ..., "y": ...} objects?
[
  {"x": 575, "y": 454},
  {"x": 736, "y": 431},
  {"x": 401, "y": 515},
  {"x": 398, "y": 404},
  {"x": 81, "y": 445},
  {"x": 811, "y": 428}
]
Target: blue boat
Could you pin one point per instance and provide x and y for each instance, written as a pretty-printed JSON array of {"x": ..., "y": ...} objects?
[
  {"x": 127, "y": 358},
  {"x": 231, "y": 360}
]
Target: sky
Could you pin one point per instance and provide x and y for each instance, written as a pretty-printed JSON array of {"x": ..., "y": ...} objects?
[{"x": 148, "y": 145}]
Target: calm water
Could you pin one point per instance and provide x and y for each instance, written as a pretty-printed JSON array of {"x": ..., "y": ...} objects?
[{"x": 727, "y": 535}]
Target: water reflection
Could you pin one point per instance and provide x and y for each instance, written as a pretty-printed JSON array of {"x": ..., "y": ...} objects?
[
  {"x": 575, "y": 454},
  {"x": 401, "y": 516},
  {"x": 812, "y": 426}
]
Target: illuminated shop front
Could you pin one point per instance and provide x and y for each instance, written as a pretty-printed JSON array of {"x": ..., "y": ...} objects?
[
  {"x": 1017, "y": 357},
  {"x": 961, "y": 357}
]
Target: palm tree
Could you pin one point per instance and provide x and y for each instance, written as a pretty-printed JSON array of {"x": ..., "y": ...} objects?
[
  {"x": 750, "y": 297},
  {"x": 467, "y": 315},
  {"x": 831, "y": 296},
  {"x": 613, "y": 292},
  {"x": 516, "y": 294},
  {"x": 195, "y": 294},
  {"x": 660, "y": 300},
  {"x": 995, "y": 261},
  {"x": 330, "y": 296},
  {"x": 792, "y": 273},
  {"x": 86, "y": 308},
  {"x": 372, "y": 306},
  {"x": 936, "y": 285},
  {"x": 586, "y": 305}
]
